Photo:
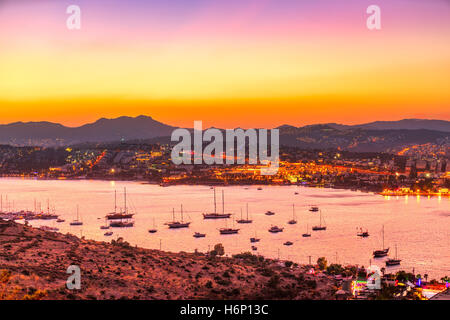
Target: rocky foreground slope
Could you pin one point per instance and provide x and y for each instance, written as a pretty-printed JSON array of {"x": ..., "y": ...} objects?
[{"x": 33, "y": 265}]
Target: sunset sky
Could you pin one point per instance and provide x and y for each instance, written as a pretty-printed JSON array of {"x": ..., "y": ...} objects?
[{"x": 249, "y": 63}]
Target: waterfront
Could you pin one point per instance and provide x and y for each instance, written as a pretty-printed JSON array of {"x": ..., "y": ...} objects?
[{"x": 419, "y": 226}]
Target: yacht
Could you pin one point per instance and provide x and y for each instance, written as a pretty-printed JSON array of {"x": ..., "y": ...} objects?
[
  {"x": 199, "y": 235},
  {"x": 216, "y": 215},
  {"x": 293, "y": 220},
  {"x": 395, "y": 261},
  {"x": 77, "y": 221},
  {"x": 275, "y": 229},
  {"x": 320, "y": 227},
  {"x": 178, "y": 224},
  {"x": 119, "y": 215},
  {"x": 383, "y": 252},
  {"x": 247, "y": 220}
]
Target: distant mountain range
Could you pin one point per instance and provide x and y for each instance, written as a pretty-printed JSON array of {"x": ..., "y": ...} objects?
[
  {"x": 103, "y": 130},
  {"x": 374, "y": 136}
]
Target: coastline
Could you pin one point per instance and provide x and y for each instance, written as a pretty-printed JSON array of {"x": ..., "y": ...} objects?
[{"x": 376, "y": 191}]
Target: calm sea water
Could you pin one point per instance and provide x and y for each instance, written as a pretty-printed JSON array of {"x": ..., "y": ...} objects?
[{"x": 418, "y": 226}]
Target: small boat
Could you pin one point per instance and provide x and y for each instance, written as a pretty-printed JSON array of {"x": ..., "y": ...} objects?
[
  {"x": 294, "y": 220},
  {"x": 306, "y": 234},
  {"x": 60, "y": 220},
  {"x": 275, "y": 229},
  {"x": 254, "y": 239},
  {"x": 288, "y": 243},
  {"x": 77, "y": 222},
  {"x": 244, "y": 220},
  {"x": 320, "y": 227},
  {"x": 269, "y": 213},
  {"x": 106, "y": 226},
  {"x": 107, "y": 234},
  {"x": 363, "y": 234},
  {"x": 259, "y": 188},
  {"x": 154, "y": 230},
  {"x": 254, "y": 248},
  {"x": 314, "y": 209},
  {"x": 395, "y": 261},
  {"x": 216, "y": 215},
  {"x": 383, "y": 252},
  {"x": 295, "y": 192},
  {"x": 199, "y": 235}
]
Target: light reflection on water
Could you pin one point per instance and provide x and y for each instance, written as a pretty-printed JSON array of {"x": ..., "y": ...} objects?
[{"x": 419, "y": 228}]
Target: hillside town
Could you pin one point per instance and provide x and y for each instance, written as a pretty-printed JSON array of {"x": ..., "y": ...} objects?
[{"x": 389, "y": 174}]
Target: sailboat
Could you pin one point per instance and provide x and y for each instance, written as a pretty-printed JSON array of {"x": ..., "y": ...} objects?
[
  {"x": 178, "y": 224},
  {"x": 106, "y": 226},
  {"x": 77, "y": 222},
  {"x": 153, "y": 230},
  {"x": 119, "y": 215},
  {"x": 383, "y": 252},
  {"x": 395, "y": 261},
  {"x": 306, "y": 234},
  {"x": 227, "y": 230},
  {"x": 254, "y": 239},
  {"x": 244, "y": 220},
  {"x": 216, "y": 215},
  {"x": 48, "y": 215},
  {"x": 293, "y": 221},
  {"x": 118, "y": 220},
  {"x": 320, "y": 227},
  {"x": 314, "y": 209}
]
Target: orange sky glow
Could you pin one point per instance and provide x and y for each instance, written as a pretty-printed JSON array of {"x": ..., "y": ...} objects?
[{"x": 244, "y": 63}]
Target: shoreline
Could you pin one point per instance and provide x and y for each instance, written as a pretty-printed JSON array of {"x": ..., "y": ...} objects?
[{"x": 165, "y": 185}]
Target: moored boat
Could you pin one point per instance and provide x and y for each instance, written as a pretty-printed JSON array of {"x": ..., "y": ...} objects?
[{"x": 275, "y": 229}]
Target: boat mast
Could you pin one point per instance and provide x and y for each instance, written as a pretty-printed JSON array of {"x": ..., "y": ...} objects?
[
  {"x": 320, "y": 213},
  {"x": 115, "y": 201},
  {"x": 382, "y": 231},
  {"x": 182, "y": 213},
  {"x": 215, "y": 206},
  {"x": 223, "y": 203},
  {"x": 125, "y": 198},
  {"x": 247, "y": 210}
]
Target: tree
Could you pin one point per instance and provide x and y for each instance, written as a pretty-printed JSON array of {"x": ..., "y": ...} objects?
[
  {"x": 322, "y": 263},
  {"x": 219, "y": 250}
]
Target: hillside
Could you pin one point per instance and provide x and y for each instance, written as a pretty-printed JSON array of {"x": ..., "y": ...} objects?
[{"x": 33, "y": 265}]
